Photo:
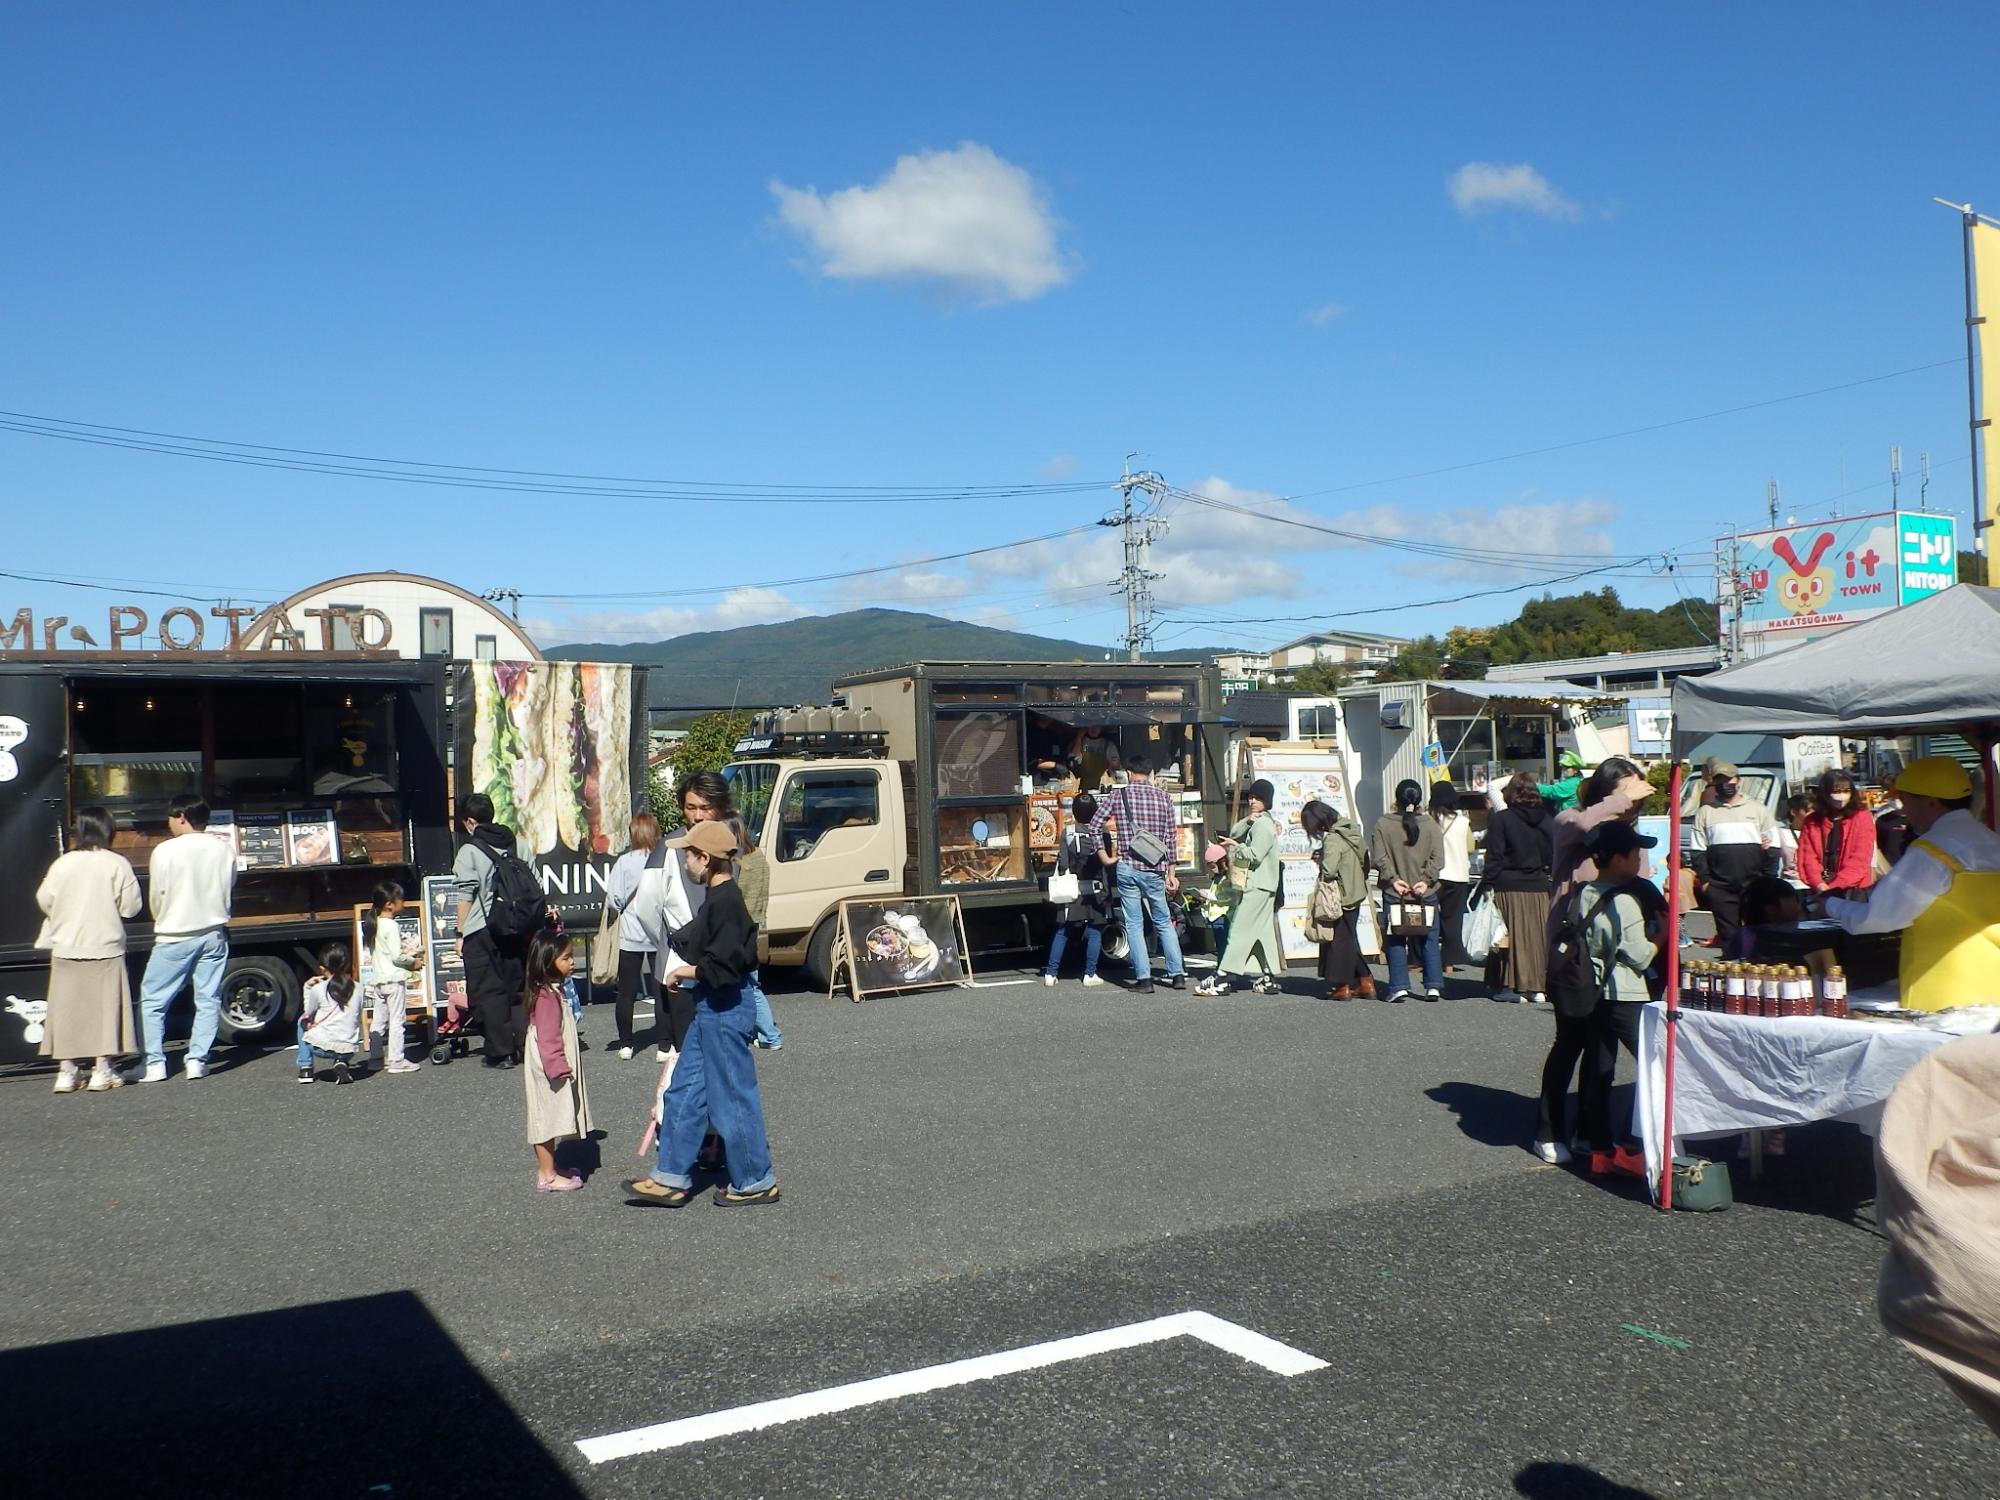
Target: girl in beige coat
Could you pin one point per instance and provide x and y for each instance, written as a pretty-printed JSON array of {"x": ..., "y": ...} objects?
[
  {"x": 558, "y": 1108},
  {"x": 85, "y": 899}
]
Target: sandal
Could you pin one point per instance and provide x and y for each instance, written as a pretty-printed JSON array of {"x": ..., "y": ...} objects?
[
  {"x": 646, "y": 1190},
  {"x": 730, "y": 1198}
]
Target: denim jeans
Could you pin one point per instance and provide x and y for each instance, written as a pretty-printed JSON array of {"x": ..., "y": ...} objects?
[
  {"x": 1093, "y": 944},
  {"x": 767, "y": 1020},
  {"x": 1398, "y": 949},
  {"x": 1143, "y": 890},
  {"x": 169, "y": 966},
  {"x": 307, "y": 1051},
  {"x": 715, "y": 1088},
  {"x": 573, "y": 1000}
]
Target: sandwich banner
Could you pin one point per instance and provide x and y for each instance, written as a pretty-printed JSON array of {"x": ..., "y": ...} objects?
[{"x": 557, "y": 745}]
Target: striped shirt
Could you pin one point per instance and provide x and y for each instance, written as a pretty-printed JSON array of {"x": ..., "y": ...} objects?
[{"x": 1139, "y": 807}]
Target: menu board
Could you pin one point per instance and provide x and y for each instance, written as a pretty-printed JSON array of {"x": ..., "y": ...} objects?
[
  {"x": 222, "y": 828},
  {"x": 260, "y": 841},
  {"x": 1298, "y": 777},
  {"x": 312, "y": 837},
  {"x": 444, "y": 970}
]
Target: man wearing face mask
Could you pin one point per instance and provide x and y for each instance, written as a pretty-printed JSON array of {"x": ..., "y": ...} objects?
[
  {"x": 1733, "y": 839},
  {"x": 1943, "y": 895}
]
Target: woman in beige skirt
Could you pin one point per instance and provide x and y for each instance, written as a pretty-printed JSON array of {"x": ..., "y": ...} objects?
[
  {"x": 1519, "y": 851},
  {"x": 85, "y": 899}
]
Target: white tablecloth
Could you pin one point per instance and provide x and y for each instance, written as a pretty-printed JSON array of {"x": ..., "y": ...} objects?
[{"x": 1734, "y": 1073}]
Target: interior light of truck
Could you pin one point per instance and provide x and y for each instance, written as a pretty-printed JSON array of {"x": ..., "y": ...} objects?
[
  {"x": 149, "y": 705},
  {"x": 81, "y": 705}
]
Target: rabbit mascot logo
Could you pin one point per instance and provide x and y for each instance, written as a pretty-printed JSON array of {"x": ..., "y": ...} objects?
[{"x": 1806, "y": 589}]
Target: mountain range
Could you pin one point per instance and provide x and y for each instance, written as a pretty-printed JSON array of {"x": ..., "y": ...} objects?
[{"x": 757, "y": 666}]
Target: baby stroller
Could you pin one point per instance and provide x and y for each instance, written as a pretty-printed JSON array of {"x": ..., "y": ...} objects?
[{"x": 453, "y": 1025}]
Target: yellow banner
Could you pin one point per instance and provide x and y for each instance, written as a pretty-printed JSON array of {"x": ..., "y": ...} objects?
[{"x": 1986, "y": 304}]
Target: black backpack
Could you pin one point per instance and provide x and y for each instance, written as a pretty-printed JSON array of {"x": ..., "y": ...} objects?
[
  {"x": 517, "y": 907},
  {"x": 1574, "y": 990}
]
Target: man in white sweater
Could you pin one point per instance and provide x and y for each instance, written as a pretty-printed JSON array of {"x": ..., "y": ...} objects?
[{"x": 189, "y": 883}]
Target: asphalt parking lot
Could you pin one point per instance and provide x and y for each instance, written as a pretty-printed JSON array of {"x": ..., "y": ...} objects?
[{"x": 244, "y": 1287}]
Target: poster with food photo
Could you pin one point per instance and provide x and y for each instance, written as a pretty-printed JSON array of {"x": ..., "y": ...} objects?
[
  {"x": 904, "y": 942},
  {"x": 551, "y": 744},
  {"x": 260, "y": 841},
  {"x": 444, "y": 970},
  {"x": 312, "y": 837}
]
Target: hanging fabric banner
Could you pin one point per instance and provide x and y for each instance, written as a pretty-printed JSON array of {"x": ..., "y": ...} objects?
[{"x": 1985, "y": 244}]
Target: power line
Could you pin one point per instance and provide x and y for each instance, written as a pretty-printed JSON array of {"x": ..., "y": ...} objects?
[
  {"x": 514, "y": 481},
  {"x": 1384, "y": 609}
]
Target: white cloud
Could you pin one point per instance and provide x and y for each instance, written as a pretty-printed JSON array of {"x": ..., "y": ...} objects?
[
  {"x": 740, "y": 606},
  {"x": 1481, "y": 187},
  {"x": 1325, "y": 313},
  {"x": 912, "y": 586},
  {"x": 1059, "y": 466},
  {"x": 966, "y": 219}
]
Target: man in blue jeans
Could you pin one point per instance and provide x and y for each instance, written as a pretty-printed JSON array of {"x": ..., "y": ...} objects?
[
  {"x": 1140, "y": 812},
  {"x": 189, "y": 881}
]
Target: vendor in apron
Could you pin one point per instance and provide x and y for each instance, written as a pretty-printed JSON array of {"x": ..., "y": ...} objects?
[{"x": 1943, "y": 895}]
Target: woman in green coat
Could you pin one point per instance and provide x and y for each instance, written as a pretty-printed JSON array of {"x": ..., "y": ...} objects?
[
  {"x": 1253, "y": 928},
  {"x": 1343, "y": 856}
]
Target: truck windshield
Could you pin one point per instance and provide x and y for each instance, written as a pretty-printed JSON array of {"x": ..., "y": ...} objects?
[{"x": 750, "y": 784}]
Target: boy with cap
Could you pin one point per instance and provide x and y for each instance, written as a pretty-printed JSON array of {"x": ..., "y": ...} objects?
[
  {"x": 714, "y": 1086},
  {"x": 1943, "y": 895}
]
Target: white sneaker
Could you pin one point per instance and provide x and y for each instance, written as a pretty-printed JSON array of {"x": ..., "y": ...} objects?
[
  {"x": 148, "y": 1073},
  {"x": 661, "y": 1054},
  {"x": 66, "y": 1078},
  {"x": 1090, "y": 979},
  {"x": 1538, "y": 998},
  {"x": 1434, "y": 994},
  {"x": 624, "y": 1054},
  {"x": 402, "y": 1065},
  {"x": 1553, "y": 1152},
  {"x": 197, "y": 1068},
  {"x": 102, "y": 1080},
  {"x": 1048, "y": 981}
]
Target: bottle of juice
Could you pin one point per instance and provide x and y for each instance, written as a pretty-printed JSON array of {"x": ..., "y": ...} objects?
[{"x": 1833, "y": 994}]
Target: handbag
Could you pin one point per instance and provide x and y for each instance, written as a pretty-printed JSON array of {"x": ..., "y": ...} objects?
[
  {"x": 604, "y": 951},
  {"x": 1324, "y": 913},
  {"x": 1483, "y": 929},
  {"x": 1411, "y": 918},
  {"x": 1064, "y": 888},
  {"x": 1144, "y": 847}
]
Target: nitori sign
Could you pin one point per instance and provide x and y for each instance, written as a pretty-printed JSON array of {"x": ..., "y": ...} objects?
[{"x": 1826, "y": 574}]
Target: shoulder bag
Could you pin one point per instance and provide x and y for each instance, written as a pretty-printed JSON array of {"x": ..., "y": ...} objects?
[{"x": 1141, "y": 845}]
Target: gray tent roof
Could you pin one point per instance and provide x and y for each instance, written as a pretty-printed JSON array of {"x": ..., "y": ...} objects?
[{"x": 1934, "y": 664}]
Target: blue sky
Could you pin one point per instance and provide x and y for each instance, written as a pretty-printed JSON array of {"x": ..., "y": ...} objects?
[{"x": 1276, "y": 251}]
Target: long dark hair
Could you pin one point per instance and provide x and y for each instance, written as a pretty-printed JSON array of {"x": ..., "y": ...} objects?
[
  {"x": 1409, "y": 801},
  {"x": 1444, "y": 800},
  {"x": 1823, "y": 794},
  {"x": 385, "y": 892},
  {"x": 1317, "y": 819},
  {"x": 544, "y": 948},
  {"x": 339, "y": 966},
  {"x": 1604, "y": 780}
]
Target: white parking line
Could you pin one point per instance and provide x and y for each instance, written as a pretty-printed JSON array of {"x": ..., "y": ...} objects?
[{"x": 1233, "y": 1338}]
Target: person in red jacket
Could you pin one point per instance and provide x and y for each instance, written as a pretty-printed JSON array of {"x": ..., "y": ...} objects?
[{"x": 1837, "y": 844}]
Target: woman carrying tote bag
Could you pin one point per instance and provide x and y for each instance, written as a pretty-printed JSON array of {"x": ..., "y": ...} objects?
[
  {"x": 1253, "y": 930},
  {"x": 1407, "y": 851},
  {"x": 1343, "y": 877}
]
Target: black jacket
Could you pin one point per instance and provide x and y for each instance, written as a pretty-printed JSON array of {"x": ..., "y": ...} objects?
[{"x": 1520, "y": 849}]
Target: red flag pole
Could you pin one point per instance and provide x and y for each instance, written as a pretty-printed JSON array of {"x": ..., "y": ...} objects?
[{"x": 1666, "y": 1193}]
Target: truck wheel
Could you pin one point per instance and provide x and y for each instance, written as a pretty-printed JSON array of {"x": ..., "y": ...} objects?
[
  {"x": 259, "y": 996},
  {"x": 819, "y": 956}
]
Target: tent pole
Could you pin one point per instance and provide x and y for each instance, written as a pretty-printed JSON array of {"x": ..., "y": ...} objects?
[{"x": 1666, "y": 1193}]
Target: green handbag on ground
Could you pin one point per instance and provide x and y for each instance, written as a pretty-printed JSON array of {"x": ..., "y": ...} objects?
[{"x": 1701, "y": 1186}]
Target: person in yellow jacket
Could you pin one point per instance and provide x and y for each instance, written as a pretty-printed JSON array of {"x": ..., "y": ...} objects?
[{"x": 1943, "y": 895}]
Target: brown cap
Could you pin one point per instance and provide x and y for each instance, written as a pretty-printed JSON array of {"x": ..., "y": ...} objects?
[
  {"x": 1719, "y": 768},
  {"x": 709, "y": 838}
]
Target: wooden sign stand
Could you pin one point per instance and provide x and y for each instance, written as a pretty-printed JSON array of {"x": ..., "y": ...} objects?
[{"x": 842, "y": 961}]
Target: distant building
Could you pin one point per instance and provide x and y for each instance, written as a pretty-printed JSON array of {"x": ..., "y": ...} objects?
[
  {"x": 1619, "y": 671},
  {"x": 406, "y": 614},
  {"x": 1361, "y": 654},
  {"x": 1255, "y": 665}
]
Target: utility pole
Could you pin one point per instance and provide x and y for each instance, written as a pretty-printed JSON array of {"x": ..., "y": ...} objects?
[
  {"x": 1771, "y": 501},
  {"x": 1923, "y": 481},
  {"x": 1968, "y": 221},
  {"x": 1135, "y": 581},
  {"x": 512, "y": 596},
  {"x": 1731, "y": 595},
  {"x": 1895, "y": 477}
]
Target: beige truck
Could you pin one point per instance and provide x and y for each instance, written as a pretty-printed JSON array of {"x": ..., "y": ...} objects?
[{"x": 953, "y": 777}]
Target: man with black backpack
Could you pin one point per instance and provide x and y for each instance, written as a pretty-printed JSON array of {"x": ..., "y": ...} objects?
[{"x": 500, "y": 906}]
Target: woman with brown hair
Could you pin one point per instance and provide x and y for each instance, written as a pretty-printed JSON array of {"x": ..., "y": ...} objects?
[
  {"x": 86, "y": 898},
  {"x": 1520, "y": 850},
  {"x": 634, "y": 894},
  {"x": 1837, "y": 843}
]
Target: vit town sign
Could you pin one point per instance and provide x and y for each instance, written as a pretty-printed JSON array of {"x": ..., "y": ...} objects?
[
  {"x": 183, "y": 629},
  {"x": 1827, "y": 574}
]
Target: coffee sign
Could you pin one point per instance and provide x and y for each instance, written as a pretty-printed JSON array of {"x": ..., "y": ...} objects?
[{"x": 183, "y": 629}]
